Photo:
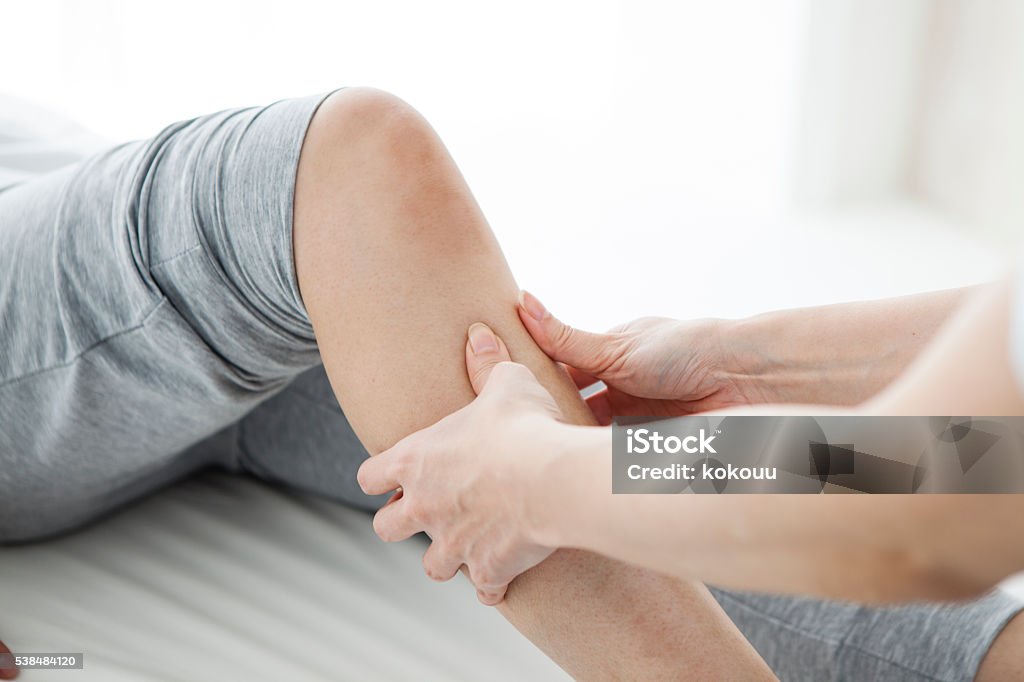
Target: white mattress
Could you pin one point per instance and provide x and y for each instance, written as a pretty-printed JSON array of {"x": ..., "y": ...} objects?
[{"x": 223, "y": 578}]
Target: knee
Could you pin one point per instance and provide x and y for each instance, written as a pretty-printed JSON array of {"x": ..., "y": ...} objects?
[
  {"x": 375, "y": 130},
  {"x": 373, "y": 164}
]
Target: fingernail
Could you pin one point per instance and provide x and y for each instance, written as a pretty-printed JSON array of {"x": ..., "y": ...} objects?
[
  {"x": 481, "y": 339},
  {"x": 532, "y": 306}
]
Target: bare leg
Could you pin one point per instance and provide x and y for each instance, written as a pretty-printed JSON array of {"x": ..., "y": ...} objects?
[{"x": 395, "y": 261}]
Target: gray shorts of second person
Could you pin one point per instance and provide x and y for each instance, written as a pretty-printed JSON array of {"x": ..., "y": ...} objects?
[{"x": 152, "y": 326}]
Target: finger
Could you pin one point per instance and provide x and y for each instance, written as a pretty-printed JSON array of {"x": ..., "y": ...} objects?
[
  {"x": 439, "y": 563},
  {"x": 484, "y": 350},
  {"x": 378, "y": 474},
  {"x": 514, "y": 379},
  {"x": 492, "y": 596},
  {"x": 579, "y": 377},
  {"x": 7, "y": 673},
  {"x": 600, "y": 405},
  {"x": 392, "y": 523},
  {"x": 490, "y": 586},
  {"x": 587, "y": 352}
]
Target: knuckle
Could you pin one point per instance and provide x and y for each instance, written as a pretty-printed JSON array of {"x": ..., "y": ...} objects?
[
  {"x": 449, "y": 560},
  {"x": 380, "y": 527},
  {"x": 399, "y": 467},
  {"x": 511, "y": 372},
  {"x": 401, "y": 456},
  {"x": 501, "y": 370},
  {"x": 416, "y": 511},
  {"x": 479, "y": 374},
  {"x": 609, "y": 357},
  {"x": 565, "y": 336},
  {"x": 484, "y": 573},
  {"x": 455, "y": 541}
]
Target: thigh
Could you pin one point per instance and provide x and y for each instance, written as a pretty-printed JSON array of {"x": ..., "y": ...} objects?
[{"x": 148, "y": 300}]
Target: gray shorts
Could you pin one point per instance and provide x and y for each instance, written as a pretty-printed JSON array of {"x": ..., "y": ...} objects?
[
  {"x": 152, "y": 326},
  {"x": 149, "y": 300}
]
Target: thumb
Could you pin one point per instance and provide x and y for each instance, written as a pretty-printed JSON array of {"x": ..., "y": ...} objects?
[
  {"x": 484, "y": 350},
  {"x": 591, "y": 353}
]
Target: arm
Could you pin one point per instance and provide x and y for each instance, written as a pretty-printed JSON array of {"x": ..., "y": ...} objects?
[
  {"x": 839, "y": 354},
  {"x": 858, "y": 547},
  {"x": 865, "y": 548}
]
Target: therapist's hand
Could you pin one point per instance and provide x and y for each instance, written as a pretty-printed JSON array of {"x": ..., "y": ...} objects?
[
  {"x": 470, "y": 481},
  {"x": 653, "y": 366}
]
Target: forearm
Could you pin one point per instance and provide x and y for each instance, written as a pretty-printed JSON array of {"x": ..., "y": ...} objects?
[
  {"x": 831, "y": 355},
  {"x": 866, "y": 548},
  {"x": 863, "y": 548}
]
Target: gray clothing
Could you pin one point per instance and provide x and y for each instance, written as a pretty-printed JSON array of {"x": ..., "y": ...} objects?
[
  {"x": 148, "y": 299},
  {"x": 152, "y": 326}
]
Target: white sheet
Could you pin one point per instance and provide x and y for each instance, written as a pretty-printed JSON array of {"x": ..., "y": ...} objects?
[{"x": 223, "y": 578}]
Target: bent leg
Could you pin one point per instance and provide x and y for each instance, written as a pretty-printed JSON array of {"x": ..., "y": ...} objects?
[
  {"x": 301, "y": 439},
  {"x": 812, "y": 639},
  {"x": 395, "y": 261}
]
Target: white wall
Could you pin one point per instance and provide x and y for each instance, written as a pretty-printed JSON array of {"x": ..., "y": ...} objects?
[
  {"x": 694, "y": 96},
  {"x": 917, "y": 98},
  {"x": 861, "y": 83},
  {"x": 580, "y": 125},
  {"x": 663, "y": 141},
  {"x": 969, "y": 146}
]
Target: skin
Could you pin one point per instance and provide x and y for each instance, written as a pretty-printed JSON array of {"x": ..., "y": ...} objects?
[
  {"x": 7, "y": 673},
  {"x": 394, "y": 261},
  {"x": 964, "y": 371},
  {"x": 902, "y": 547},
  {"x": 828, "y": 355}
]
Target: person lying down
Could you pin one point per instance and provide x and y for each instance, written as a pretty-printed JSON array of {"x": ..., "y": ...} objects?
[{"x": 269, "y": 287}]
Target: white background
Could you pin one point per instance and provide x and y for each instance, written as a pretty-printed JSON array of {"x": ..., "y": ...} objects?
[{"x": 686, "y": 159}]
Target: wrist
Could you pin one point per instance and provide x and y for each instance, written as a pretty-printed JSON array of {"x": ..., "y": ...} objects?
[
  {"x": 577, "y": 465},
  {"x": 741, "y": 369}
]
